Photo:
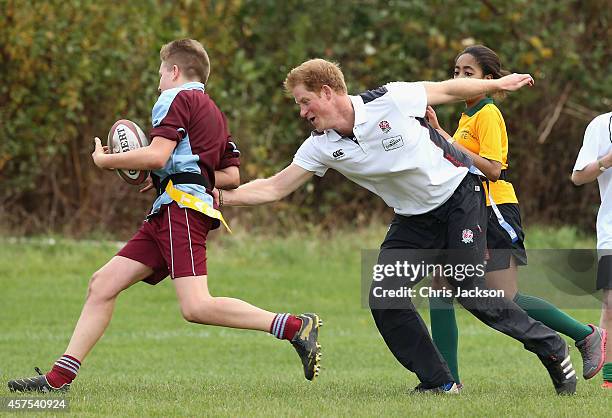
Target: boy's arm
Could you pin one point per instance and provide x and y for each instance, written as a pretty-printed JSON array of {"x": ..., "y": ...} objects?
[
  {"x": 152, "y": 157},
  {"x": 591, "y": 171},
  {"x": 463, "y": 88},
  {"x": 258, "y": 192},
  {"x": 227, "y": 173},
  {"x": 589, "y": 165},
  {"x": 227, "y": 178}
]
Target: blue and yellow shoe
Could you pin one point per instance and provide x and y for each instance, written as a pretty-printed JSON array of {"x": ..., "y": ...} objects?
[
  {"x": 306, "y": 343},
  {"x": 35, "y": 384}
]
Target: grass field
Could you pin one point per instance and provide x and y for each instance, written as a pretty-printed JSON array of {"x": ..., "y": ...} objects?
[{"x": 152, "y": 363}]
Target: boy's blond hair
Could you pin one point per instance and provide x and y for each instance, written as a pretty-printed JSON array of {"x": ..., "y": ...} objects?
[
  {"x": 315, "y": 73},
  {"x": 190, "y": 56}
]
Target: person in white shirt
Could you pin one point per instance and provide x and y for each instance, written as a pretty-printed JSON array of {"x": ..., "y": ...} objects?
[
  {"x": 594, "y": 162},
  {"x": 380, "y": 140}
]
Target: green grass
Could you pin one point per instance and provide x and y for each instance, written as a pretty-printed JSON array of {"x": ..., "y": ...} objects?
[{"x": 153, "y": 363}]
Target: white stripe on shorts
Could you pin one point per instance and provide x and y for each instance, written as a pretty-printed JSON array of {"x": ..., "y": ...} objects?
[
  {"x": 189, "y": 235},
  {"x": 171, "y": 249}
]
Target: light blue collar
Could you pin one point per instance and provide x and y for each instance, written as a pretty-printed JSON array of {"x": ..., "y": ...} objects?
[{"x": 194, "y": 85}]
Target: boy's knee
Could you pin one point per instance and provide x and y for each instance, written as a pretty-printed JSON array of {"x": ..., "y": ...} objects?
[
  {"x": 607, "y": 312},
  {"x": 98, "y": 287},
  {"x": 606, "y": 308},
  {"x": 607, "y": 299},
  {"x": 189, "y": 314},
  {"x": 197, "y": 311}
]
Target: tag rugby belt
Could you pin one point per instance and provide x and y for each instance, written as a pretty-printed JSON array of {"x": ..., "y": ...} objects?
[
  {"x": 186, "y": 199},
  {"x": 179, "y": 178}
]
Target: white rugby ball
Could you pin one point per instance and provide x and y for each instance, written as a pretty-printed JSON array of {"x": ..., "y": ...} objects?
[{"x": 124, "y": 136}]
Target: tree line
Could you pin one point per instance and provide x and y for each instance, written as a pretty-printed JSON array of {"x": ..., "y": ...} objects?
[{"x": 71, "y": 68}]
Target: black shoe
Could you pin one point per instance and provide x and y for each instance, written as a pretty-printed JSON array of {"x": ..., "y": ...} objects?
[
  {"x": 307, "y": 346},
  {"x": 561, "y": 372},
  {"x": 450, "y": 388},
  {"x": 35, "y": 384}
]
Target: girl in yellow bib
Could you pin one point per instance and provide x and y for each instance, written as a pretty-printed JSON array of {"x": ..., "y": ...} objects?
[{"x": 482, "y": 135}]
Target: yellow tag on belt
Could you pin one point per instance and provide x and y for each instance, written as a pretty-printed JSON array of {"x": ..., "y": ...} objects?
[{"x": 194, "y": 203}]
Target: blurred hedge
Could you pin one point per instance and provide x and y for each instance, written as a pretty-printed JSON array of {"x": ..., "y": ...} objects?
[{"x": 71, "y": 68}]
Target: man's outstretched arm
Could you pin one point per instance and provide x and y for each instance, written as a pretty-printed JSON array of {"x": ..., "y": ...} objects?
[
  {"x": 272, "y": 189},
  {"x": 463, "y": 88}
]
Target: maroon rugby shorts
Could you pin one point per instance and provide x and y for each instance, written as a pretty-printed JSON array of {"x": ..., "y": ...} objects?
[{"x": 171, "y": 242}]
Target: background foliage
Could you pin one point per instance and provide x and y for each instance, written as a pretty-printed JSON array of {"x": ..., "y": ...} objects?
[{"x": 71, "y": 68}]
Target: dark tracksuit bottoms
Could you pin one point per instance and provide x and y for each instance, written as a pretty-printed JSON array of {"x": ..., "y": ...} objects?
[{"x": 458, "y": 227}]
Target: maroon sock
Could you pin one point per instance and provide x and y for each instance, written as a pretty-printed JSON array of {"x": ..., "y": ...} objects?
[
  {"x": 64, "y": 371},
  {"x": 284, "y": 326}
]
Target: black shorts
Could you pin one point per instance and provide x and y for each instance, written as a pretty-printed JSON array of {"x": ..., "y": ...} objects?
[
  {"x": 459, "y": 226},
  {"x": 499, "y": 245},
  {"x": 604, "y": 273}
]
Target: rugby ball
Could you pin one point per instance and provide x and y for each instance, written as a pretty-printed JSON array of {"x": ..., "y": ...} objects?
[{"x": 125, "y": 136}]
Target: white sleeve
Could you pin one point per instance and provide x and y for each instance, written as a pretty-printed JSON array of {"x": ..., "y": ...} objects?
[
  {"x": 410, "y": 98},
  {"x": 590, "y": 146},
  {"x": 308, "y": 157}
]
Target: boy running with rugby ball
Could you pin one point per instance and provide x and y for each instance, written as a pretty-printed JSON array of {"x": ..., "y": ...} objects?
[{"x": 190, "y": 141}]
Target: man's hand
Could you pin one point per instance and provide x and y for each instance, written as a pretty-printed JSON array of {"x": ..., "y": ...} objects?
[
  {"x": 514, "y": 81},
  {"x": 215, "y": 193},
  {"x": 99, "y": 154},
  {"x": 148, "y": 185}
]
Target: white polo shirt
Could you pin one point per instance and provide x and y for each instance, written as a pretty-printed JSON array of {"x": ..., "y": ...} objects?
[
  {"x": 597, "y": 143},
  {"x": 393, "y": 155}
]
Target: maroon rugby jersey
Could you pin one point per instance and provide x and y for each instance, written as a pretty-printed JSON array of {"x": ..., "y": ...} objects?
[{"x": 189, "y": 112}]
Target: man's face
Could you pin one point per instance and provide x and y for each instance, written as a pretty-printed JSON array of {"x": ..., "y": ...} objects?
[
  {"x": 167, "y": 77},
  {"x": 313, "y": 107}
]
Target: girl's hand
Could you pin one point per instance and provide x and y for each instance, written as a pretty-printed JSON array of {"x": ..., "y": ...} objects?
[{"x": 431, "y": 116}]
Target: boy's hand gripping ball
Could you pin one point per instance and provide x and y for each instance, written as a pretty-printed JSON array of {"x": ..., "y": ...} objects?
[{"x": 124, "y": 136}]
